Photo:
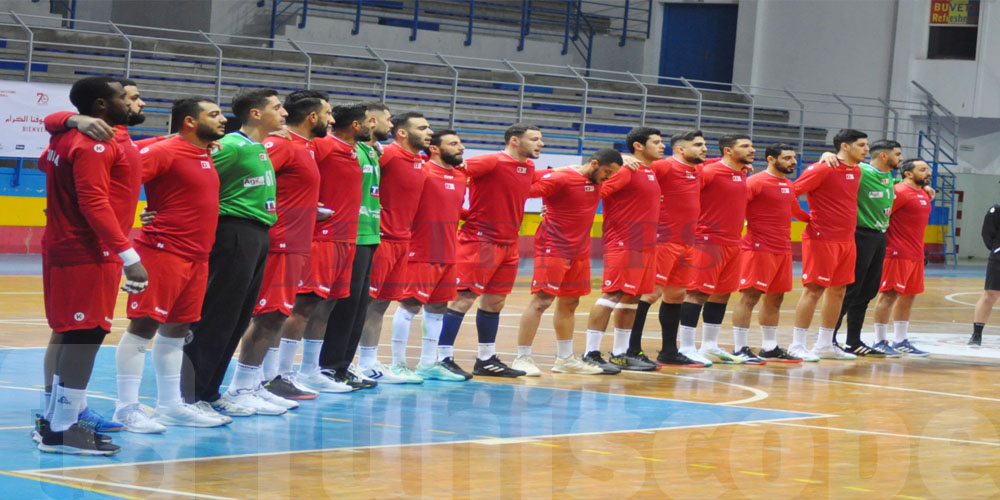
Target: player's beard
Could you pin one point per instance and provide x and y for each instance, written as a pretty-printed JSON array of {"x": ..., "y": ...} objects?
[
  {"x": 117, "y": 116},
  {"x": 207, "y": 133},
  {"x": 319, "y": 130},
  {"x": 416, "y": 143},
  {"x": 694, "y": 160},
  {"x": 926, "y": 181},
  {"x": 453, "y": 160},
  {"x": 379, "y": 136},
  {"x": 135, "y": 118}
]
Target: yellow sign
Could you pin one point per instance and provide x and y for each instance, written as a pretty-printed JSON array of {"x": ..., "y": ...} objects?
[{"x": 959, "y": 12}]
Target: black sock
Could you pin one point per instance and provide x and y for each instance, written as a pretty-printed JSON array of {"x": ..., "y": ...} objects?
[
  {"x": 977, "y": 328},
  {"x": 689, "y": 314},
  {"x": 670, "y": 315},
  {"x": 635, "y": 339},
  {"x": 714, "y": 313}
]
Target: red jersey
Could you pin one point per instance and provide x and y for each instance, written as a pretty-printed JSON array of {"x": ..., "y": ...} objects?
[
  {"x": 631, "y": 208},
  {"x": 498, "y": 186},
  {"x": 832, "y": 194},
  {"x": 399, "y": 189},
  {"x": 910, "y": 212},
  {"x": 434, "y": 234},
  {"x": 339, "y": 189},
  {"x": 723, "y": 204},
  {"x": 680, "y": 194},
  {"x": 91, "y": 193},
  {"x": 769, "y": 213},
  {"x": 297, "y": 179},
  {"x": 182, "y": 186},
  {"x": 571, "y": 201}
]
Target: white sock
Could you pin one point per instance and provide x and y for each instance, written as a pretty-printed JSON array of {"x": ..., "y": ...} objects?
[
  {"x": 487, "y": 351},
  {"x": 269, "y": 368},
  {"x": 686, "y": 335},
  {"x": 401, "y": 320},
  {"x": 130, "y": 359},
  {"x": 594, "y": 338},
  {"x": 799, "y": 337},
  {"x": 310, "y": 356},
  {"x": 770, "y": 337},
  {"x": 564, "y": 348},
  {"x": 523, "y": 350},
  {"x": 68, "y": 404},
  {"x": 740, "y": 337},
  {"x": 445, "y": 352},
  {"x": 367, "y": 357},
  {"x": 710, "y": 335},
  {"x": 429, "y": 342},
  {"x": 168, "y": 357},
  {"x": 621, "y": 341},
  {"x": 825, "y": 337},
  {"x": 246, "y": 377},
  {"x": 880, "y": 332},
  {"x": 50, "y": 404},
  {"x": 286, "y": 355},
  {"x": 899, "y": 330}
]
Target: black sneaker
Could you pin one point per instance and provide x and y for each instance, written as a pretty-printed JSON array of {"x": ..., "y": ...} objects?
[
  {"x": 453, "y": 367},
  {"x": 594, "y": 358},
  {"x": 633, "y": 361},
  {"x": 355, "y": 381},
  {"x": 861, "y": 349},
  {"x": 778, "y": 354},
  {"x": 493, "y": 367},
  {"x": 749, "y": 356},
  {"x": 77, "y": 441},
  {"x": 285, "y": 389},
  {"x": 976, "y": 340},
  {"x": 677, "y": 359},
  {"x": 42, "y": 426}
]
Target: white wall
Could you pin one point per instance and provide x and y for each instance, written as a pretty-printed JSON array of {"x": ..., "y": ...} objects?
[{"x": 980, "y": 193}]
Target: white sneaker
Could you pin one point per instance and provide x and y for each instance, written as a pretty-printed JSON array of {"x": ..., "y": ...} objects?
[
  {"x": 831, "y": 351},
  {"x": 227, "y": 406},
  {"x": 293, "y": 378},
  {"x": 248, "y": 398},
  {"x": 187, "y": 416},
  {"x": 135, "y": 419},
  {"x": 695, "y": 355},
  {"x": 383, "y": 375},
  {"x": 353, "y": 368},
  {"x": 206, "y": 409},
  {"x": 575, "y": 365},
  {"x": 717, "y": 354},
  {"x": 275, "y": 399},
  {"x": 319, "y": 382},
  {"x": 800, "y": 351},
  {"x": 527, "y": 365},
  {"x": 401, "y": 370}
]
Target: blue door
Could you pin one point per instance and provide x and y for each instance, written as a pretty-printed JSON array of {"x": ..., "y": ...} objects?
[{"x": 698, "y": 41}]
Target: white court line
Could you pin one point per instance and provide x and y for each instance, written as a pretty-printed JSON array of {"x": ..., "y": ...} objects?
[
  {"x": 758, "y": 394},
  {"x": 874, "y": 433},
  {"x": 890, "y": 387},
  {"x": 407, "y": 445},
  {"x": 17, "y": 427},
  {"x": 951, "y": 298},
  {"x": 127, "y": 486},
  {"x": 35, "y": 389}
]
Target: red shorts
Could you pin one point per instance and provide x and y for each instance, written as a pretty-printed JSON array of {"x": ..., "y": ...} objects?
[
  {"x": 81, "y": 297},
  {"x": 176, "y": 287},
  {"x": 828, "y": 263},
  {"x": 284, "y": 273},
  {"x": 330, "y": 264},
  {"x": 674, "y": 264},
  {"x": 768, "y": 272},
  {"x": 716, "y": 268},
  {"x": 431, "y": 283},
  {"x": 905, "y": 276},
  {"x": 486, "y": 267},
  {"x": 388, "y": 281},
  {"x": 629, "y": 271},
  {"x": 561, "y": 277}
]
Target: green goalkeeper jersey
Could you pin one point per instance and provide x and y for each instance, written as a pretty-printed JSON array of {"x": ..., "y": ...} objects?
[
  {"x": 371, "y": 207},
  {"x": 875, "y": 195},
  {"x": 246, "y": 179}
]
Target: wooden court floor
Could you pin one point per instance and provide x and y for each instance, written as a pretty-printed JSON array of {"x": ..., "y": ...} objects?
[{"x": 896, "y": 429}]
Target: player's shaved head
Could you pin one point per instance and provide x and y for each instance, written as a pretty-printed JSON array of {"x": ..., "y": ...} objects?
[{"x": 86, "y": 91}]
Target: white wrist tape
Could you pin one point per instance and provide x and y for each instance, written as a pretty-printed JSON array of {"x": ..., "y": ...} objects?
[{"x": 129, "y": 256}]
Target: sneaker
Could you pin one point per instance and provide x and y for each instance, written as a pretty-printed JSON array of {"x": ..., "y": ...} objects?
[
  {"x": 40, "y": 424},
  {"x": 94, "y": 422},
  {"x": 677, "y": 359},
  {"x": 633, "y": 362},
  {"x": 493, "y": 367},
  {"x": 907, "y": 348},
  {"x": 527, "y": 365},
  {"x": 293, "y": 378},
  {"x": 778, "y": 355},
  {"x": 976, "y": 340},
  {"x": 248, "y": 398},
  {"x": 696, "y": 356},
  {"x": 284, "y": 388},
  {"x": 135, "y": 419},
  {"x": 886, "y": 349},
  {"x": 594, "y": 358},
  {"x": 831, "y": 351},
  {"x": 800, "y": 351},
  {"x": 862, "y": 350},
  {"x": 718, "y": 355},
  {"x": 749, "y": 357},
  {"x": 77, "y": 441},
  {"x": 453, "y": 367},
  {"x": 380, "y": 373},
  {"x": 355, "y": 376},
  {"x": 401, "y": 370},
  {"x": 437, "y": 371},
  {"x": 228, "y": 406},
  {"x": 576, "y": 366},
  {"x": 323, "y": 381},
  {"x": 274, "y": 399},
  {"x": 206, "y": 409},
  {"x": 186, "y": 416}
]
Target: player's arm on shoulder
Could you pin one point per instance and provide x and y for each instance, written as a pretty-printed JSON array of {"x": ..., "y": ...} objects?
[
  {"x": 616, "y": 182},
  {"x": 225, "y": 155},
  {"x": 930, "y": 191},
  {"x": 810, "y": 179},
  {"x": 543, "y": 185},
  {"x": 92, "y": 162},
  {"x": 155, "y": 161},
  {"x": 479, "y": 166},
  {"x": 830, "y": 159},
  {"x": 55, "y": 123}
]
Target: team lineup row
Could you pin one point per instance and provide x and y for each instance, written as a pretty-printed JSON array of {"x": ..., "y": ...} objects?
[{"x": 320, "y": 228}]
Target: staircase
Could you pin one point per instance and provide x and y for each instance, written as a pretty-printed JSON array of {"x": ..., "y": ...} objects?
[{"x": 938, "y": 144}]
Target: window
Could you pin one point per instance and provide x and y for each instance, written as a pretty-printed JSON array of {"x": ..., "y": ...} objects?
[{"x": 954, "y": 29}]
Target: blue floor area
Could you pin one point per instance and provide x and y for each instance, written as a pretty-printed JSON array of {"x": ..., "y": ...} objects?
[{"x": 436, "y": 412}]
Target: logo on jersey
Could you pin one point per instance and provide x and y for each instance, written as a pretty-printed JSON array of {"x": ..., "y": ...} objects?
[
  {"x": 651, "y": 177},
  {"x": 144, "y": 150},
  {"x": 78, "y": 316},
  {"x": 923, "y": 202},
  {"x": 263, "y": 157},
  {"x": 886, "y": 210},
  {"x": 205, "y": 164},
  {"x": 588, "y": 188},
  {"x": 99, "y": 148},
  {"x": 270, "y": 206},
  {"x": 737, "y": 178},
  {"x": 268, "y": 145},
  {"x": 546, "y": 176},
  {"x": 850, "y": 177},
  {"x": 354, "y": 155},
  {"x": 876, "y": 194},
  {"x": 607, "y": 282},
  {"x": 885, "y": 181},
  {"x": 522, "y": 170},
  {"x": 418, "y": 165},
  {"x": 254, "y": 181},
  {"x": 374, "y": 191},
  {"x": 689, "y": 175},
  {"x": 785, "y": 190},
  {"x": 449, "y": 186},
  {"x": 367, "y": 169},
  {"x": 135, "y": 305}
]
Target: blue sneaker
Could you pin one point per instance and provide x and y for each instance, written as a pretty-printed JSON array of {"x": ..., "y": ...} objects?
[
  {"x": 886, "y": 349},
  {"x": 907, "y": 348},
  {"x": 94, "y": 422}
]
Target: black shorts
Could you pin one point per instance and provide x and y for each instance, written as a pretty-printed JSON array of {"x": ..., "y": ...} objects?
[{"x": 993, "y": 275}]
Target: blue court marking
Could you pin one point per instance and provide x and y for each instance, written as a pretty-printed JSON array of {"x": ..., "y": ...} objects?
[{"x": 436, "y": 412}]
